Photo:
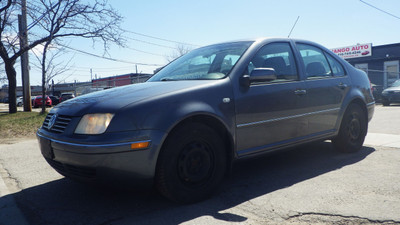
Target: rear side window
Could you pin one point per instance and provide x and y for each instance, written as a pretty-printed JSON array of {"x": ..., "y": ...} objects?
[{"x": 315, "y": 62}]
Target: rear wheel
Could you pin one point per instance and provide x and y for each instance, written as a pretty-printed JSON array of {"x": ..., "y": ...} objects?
[
  {"x": 353, "y": 130},
  {"x": 192, "y": 163}
]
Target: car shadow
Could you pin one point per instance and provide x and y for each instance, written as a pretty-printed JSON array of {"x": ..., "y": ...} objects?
[{"x": 67, "y": 202}]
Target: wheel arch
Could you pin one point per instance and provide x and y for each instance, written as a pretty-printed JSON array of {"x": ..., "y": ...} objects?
[
  {"x": 212, "y": 122},
  {"x": 355, "y": 100}
]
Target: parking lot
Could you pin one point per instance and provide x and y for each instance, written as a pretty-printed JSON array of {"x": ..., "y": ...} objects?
[
  {"x": 4, "y": 108},
  {"x": 306, "y": 185}
]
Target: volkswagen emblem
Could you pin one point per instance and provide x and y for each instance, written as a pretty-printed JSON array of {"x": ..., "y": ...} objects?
[{"x": 52, "y": 121}]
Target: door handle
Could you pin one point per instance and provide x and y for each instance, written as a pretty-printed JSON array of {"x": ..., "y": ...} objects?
[
  {"x": 300, "y": 92},
  {"x": 342, "y": 85}
]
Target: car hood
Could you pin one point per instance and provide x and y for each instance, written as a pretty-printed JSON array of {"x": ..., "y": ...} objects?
[
  {"x": 111, "y": 100},
  {"x": 392, "y": 89}
]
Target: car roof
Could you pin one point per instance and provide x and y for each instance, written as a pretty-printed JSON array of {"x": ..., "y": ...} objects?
[{"x": 262, "y": 39}]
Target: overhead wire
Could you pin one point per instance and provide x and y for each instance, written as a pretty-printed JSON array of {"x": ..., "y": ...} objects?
[
  {"x": 150, "y": 43},
  {"x": 34, "y": 22},
  {"x": 109, "y": 58},
  {"x": 150, "y": 53},
  {"x": 388, "y": 13},
  {"x": 158, "y": 38}
]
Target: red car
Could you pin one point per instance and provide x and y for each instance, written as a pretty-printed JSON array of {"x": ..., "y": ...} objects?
[{"x": 38, "y": 101}]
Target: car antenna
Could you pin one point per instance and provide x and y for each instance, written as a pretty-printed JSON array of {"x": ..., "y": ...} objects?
[{"x": 298, "y": 17}]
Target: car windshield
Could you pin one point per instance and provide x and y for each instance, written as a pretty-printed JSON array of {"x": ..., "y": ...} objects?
[
  {"x": 207, "y": 63},
  {"x": 396, "y": 83}
]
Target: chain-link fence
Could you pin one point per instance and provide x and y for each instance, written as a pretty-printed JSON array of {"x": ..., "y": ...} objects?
[{"x": 381, "y": 79}]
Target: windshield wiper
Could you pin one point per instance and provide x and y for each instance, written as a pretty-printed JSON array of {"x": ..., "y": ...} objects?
[{"x": 167, "y": 79}]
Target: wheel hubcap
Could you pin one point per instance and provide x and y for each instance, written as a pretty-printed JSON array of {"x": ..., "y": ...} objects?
[
  {"x": 195, "y": 163},
  {"x": 354, "y": 128}
]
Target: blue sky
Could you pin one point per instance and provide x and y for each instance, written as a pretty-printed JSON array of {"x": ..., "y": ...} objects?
[{"x": 333, "y": 23}]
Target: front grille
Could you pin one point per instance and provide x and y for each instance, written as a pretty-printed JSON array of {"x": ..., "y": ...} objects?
[
  {"x": 73, "y": 171},
  {"x": 60, "y": 124}
]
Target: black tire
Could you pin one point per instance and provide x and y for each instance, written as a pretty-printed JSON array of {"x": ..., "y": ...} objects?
[
  {"x": 385, "y": 103},
  {"x": 353, "y": 130},
  {"x": 191, "y": 164}
]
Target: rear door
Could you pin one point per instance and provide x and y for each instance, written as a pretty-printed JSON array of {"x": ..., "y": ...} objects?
[{"x": 326, "y": 85}]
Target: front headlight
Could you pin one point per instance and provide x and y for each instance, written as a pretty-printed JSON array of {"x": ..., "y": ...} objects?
[{"x": 94, "y": 123}]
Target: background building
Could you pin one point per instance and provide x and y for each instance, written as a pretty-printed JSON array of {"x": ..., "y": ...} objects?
[
  {"x": 381, "y": 65},
  {"x": 79, "y": 88}
]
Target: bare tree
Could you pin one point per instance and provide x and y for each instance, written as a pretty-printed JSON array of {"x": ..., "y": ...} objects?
[
  {"x": 50, "y": 66},
  {"x": 54, "y": 20},
  {"x": 180, "y": 51}
]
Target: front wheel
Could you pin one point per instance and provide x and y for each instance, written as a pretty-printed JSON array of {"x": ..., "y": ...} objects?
[
  {"x": 353, "y": 130},
  {"x": 385, "y": 103},
  {"x": 191, "y": 164}
]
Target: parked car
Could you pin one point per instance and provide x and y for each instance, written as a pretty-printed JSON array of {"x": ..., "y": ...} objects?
[
  {"x": 5, "y": 100},
  {"x": 32, "y": 99},
  {"x": 38, "y": 101},
  {"x": 66, "y": 96},
  {"x": 183, "y": 128},
  {"x": 54, "y": 100},
  {"x": 20, "y": 101},
  {"x": 391, "y": 94},
  {"x": 377, "y": 92}
]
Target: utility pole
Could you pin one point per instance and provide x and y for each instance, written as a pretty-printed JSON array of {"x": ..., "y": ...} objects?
[
  {"x": 137, "y": 75},
  {"x": 52, "y": 87},
  {"x": 23, "y": 35}
]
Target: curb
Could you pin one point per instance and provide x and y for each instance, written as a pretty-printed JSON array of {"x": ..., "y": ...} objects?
[{"x": 386, "y": 140}]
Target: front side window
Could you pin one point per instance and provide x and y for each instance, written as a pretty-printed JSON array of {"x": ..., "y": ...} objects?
[
  {"x": 278, "y": 56},
  {"x": 207, "y": 63},
  {"x": 315, "y": 62}
]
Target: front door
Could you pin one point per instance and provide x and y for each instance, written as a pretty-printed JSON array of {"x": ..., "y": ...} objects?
[{"x": 268, "y": 114}]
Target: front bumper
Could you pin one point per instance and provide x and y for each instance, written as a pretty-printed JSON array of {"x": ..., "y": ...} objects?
[
  {"x": 112, "y": 162},
  {"x": 391, "y": 97}
]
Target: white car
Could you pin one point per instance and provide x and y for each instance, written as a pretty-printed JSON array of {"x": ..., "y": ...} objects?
[{"x": 20, "y": 101}]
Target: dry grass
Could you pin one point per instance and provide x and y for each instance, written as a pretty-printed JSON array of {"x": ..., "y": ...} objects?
[{"x": 20, "y": 124}]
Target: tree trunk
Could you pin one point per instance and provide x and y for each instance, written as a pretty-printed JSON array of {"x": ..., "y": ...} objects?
[
  {"x": 44, "y": 77},
  {"x": 12, "y": 86},
  {"x": 44, "y": 84}
]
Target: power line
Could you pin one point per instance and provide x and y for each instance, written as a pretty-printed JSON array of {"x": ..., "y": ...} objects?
[
  {"x": 162, "y": 39},
  {"x": 150, "y": 53},
  {"x": 150, "y": 43},
  {"x": 103, "y": 68},
  {"x": 380, "y": 9},
  {"x": 41, "y": 17},
  {"x": 109, "y": 58}
]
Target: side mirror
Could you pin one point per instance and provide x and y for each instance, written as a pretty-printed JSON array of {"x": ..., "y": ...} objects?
[
  {"x": 262, "y": 75},
  {"x": 258, "y": 75}
]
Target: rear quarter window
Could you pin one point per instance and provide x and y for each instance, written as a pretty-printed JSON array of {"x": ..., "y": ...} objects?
[{"x": 337, "y": 68}]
